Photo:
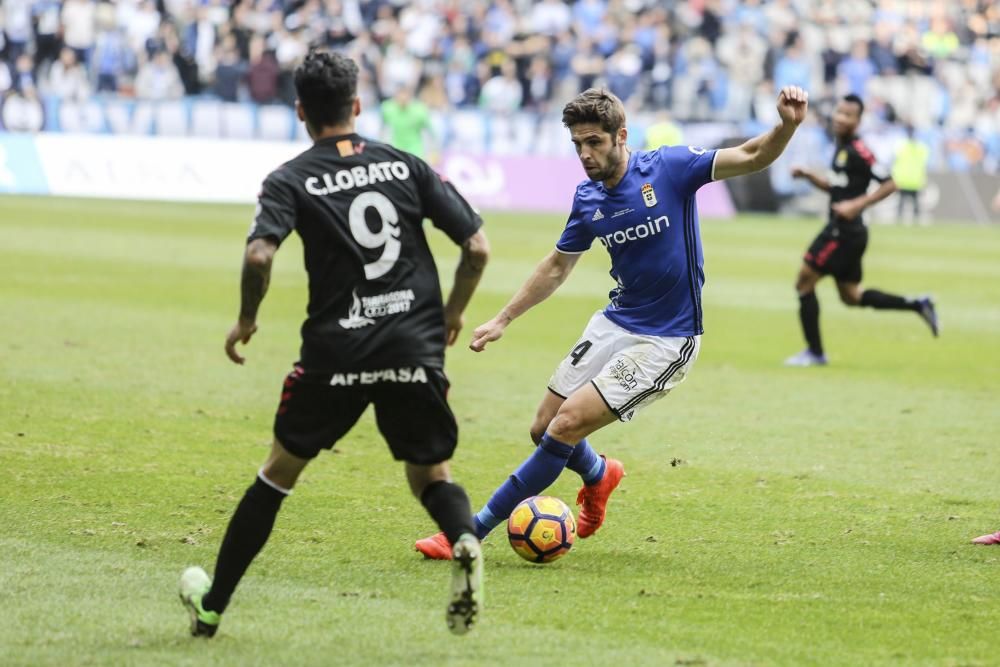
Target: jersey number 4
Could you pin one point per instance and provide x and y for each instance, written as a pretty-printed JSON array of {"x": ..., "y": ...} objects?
[
  {"x": 577, "y": 354},
  {"x": 386, "y": 238}
]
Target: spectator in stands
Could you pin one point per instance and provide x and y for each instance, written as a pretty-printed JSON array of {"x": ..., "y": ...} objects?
[
  {"x": 793, "y": 68},
  {"x": 538, "y": 85},
  {"x": 16, "y": 22},
  {"x": 112, "y": 58},
  {"x": 67, "y": 79},
  {"x": 502, "y": 93},
  {"x": 262, "y": 76},
  {"x": 158, "y": 79},
  {"x": 229, "y": 71},
  {"x": 45, "y": 16},
  {"x": 856, "y": 71},
  {"x": 24, "y": 75},
  {"x": 940, "y": 41},
  {"x": 79, "y": 27}
]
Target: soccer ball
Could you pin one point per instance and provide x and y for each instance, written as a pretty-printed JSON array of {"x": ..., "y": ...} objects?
[{"x": 541, "y": 529}]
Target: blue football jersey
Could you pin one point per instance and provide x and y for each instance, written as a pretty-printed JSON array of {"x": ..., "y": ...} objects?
[{"x": 649, "y": 225}]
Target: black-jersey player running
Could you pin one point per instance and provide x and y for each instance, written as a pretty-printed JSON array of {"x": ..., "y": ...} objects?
[
  {"x": 838, "y": 249},
  {"x": 375, "y": 333}
]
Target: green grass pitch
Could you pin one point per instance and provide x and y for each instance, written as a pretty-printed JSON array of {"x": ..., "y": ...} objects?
[{"x": 770, "y": 516}]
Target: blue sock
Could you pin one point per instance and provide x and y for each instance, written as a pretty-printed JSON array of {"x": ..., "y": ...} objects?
[
  {"x": 533, "y": 476},
  {"x": 585, "y": 462}
]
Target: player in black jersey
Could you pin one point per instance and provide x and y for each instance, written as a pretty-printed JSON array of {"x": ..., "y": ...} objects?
[
  {"x": 838, "y": 249},
  {"x": 375, "y": 332}
]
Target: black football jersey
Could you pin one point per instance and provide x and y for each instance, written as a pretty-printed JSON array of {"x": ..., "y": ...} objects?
[
  {"x": 852, "y": 171},
  {"x": 359, "y": 206}
]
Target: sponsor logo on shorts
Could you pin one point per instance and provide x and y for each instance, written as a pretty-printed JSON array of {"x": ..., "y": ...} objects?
[
  {"x": 649, "y": 228},
  {"x": 365, "y": 310},
  {"x": 625, "y": 374},
  {"x": 403, "y": 375}
]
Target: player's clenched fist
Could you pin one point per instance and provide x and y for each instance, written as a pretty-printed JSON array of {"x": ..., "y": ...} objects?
[{"x": 793, "y": 104}]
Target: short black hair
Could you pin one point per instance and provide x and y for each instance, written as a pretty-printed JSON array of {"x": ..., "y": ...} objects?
[
  {"x": 854, "y": 99},
  {"x": 326, "y": 84}
]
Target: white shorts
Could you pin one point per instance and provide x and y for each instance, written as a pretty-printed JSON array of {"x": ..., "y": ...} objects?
[{"x": 629, "y": 370}]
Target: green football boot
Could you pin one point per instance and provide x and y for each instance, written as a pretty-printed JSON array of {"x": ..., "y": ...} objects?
[{"x": 195, "y": 582}]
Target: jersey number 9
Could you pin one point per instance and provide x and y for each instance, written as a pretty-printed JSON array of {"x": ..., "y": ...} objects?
[{"x": 386, "y": 237}]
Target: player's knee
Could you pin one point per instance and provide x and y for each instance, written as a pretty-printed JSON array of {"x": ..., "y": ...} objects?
[
  {"x": 850, "y": 298},
  {"x": 568, "y": 426}
]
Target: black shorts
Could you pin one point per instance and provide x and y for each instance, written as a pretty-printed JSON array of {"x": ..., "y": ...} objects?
[
  {"x": 411, "y": 411},
  {"x": 837, "y": 251}
]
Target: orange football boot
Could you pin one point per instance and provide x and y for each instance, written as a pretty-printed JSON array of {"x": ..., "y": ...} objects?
[
  {"x": 435, "y": 547},
  {"x": 594, "y": 498}
]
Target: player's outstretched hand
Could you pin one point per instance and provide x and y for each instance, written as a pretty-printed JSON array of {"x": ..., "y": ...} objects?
[
  {"x": 798, "y": 172},
  {"x": 453, "y": 324},
  {"x": 487, "y": 333},
  {"x": 241, "y": 332},
  {"x": 793, "y": 104}
]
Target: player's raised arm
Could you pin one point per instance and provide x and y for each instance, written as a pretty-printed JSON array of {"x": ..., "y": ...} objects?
[
  {"x": 550, "y": 273},
  {"x": 253, "y": 285},
  {"x": 759, "y": 152}
]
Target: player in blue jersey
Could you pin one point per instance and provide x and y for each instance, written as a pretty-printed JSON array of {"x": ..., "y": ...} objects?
[{"x": 640, "y": 205}]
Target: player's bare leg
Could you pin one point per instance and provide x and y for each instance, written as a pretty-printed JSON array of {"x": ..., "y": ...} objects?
[
  {"x": 583, "y": 413},
  {"x": 805, "y": 286},
  {"x": 246, "y": 535},
  {"x": 546, "y": 412},
  {"x": 853, "y": 295},
  {"x": 448, "y": 505}
]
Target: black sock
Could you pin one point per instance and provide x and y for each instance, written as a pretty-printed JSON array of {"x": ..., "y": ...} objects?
[
  {"x": 247, "y": 533},
  {"x": 448, "y": 505},
  {"x": 882, "y": 301},
  {"x": 809, "y": 316}
]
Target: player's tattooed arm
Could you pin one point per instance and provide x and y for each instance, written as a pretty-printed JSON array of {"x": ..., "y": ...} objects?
[
  {"x": 256, "y": 276},
  {"x": 253, "y": 286},
  {"x": 759, "y": 152},
  {"x": 472, "y": 263}
]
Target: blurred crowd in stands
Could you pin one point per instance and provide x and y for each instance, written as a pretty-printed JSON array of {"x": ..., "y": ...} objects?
[{"x": 933, "y": 64}]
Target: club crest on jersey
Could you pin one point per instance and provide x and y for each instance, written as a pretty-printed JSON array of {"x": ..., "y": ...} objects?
[
  {"x": 648, "y": 195},
  {"x": 842, "y": 158},
  {"x": 598, "y": 215}
]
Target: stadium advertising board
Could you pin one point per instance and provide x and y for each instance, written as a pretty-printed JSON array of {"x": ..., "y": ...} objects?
[{"x": 207, "y": 170}]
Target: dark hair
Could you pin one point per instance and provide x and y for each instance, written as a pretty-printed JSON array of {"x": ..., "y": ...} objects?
[
  {"x": 854, "y": 99},
  {"x": 326, "y": 84},
  {"x": 595, "y": 105}
]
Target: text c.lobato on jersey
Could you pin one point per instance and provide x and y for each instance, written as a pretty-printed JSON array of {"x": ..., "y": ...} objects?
[
  {"x": 649, "y": 225},
  {"x": 853, "y": 168},
  {"x": 358, "y": 205}
]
